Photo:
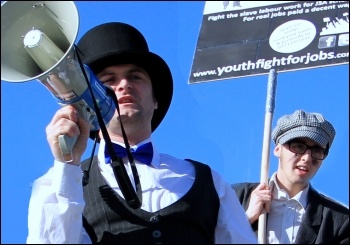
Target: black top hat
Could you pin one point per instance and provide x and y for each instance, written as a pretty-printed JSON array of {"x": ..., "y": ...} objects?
[{"x": 119, "y": 43}]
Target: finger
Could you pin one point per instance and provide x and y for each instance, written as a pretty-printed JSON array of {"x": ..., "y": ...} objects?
[
  {"x": 267, "y": 206},
  {"x": 67, "y": 112}
]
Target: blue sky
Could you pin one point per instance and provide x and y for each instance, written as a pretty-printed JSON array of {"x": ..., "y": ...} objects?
[{"x": 219, "y": 123}]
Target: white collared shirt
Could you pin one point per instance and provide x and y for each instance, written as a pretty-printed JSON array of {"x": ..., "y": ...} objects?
[
  {"x": 286, "y": 214},
  {"x": 57, "y": 202}
]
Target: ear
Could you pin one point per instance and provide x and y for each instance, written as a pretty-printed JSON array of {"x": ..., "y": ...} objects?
[
  {"x": 155, "y": 104},
  {"x": 277, "y": 150}
]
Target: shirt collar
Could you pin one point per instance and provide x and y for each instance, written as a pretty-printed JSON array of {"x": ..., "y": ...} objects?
[{"x": 279, "y": 193}]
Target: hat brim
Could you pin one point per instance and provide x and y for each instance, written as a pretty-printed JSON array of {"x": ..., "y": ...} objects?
[
  {"x": 304, "y": 132},
  {"x": 156, "y": 68}
]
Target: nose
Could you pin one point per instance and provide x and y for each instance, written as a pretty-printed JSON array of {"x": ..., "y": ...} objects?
[
  {"x": 124, "y": 84},
  {"x": 307, "y": 155}
]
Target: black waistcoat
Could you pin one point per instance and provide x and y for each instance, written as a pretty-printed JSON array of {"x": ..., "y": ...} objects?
[{"x": 192, "y": 219}]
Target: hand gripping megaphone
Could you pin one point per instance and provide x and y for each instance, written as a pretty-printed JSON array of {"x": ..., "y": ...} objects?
[{"x": 37, "y": 43}]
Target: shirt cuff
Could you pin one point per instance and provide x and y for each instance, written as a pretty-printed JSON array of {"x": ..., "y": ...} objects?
[{"x": 67, "y": 181}]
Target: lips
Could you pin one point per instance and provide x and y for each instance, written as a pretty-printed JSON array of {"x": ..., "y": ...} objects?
[
  {"x": 126, "y": 100},
  {"x": 302, "y": 168}
]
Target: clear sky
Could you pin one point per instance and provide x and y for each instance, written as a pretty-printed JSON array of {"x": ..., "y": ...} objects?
[{"x": 219, "y": 123}]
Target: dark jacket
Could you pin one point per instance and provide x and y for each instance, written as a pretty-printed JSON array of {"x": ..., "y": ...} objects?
[
  {"x": 325, "y": 220},
  {"x": 191, "y": 220}
]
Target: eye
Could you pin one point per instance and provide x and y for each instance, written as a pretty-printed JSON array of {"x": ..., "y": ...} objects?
[
  {"x": 300, "y": 146},
  {"x": 297, "y": 146},
  {"x": 134, "y": 77},
  {"x": 107, "y": 83},
  {"x": 107, "y": 80},
  {"x": 318, "y": 150}
]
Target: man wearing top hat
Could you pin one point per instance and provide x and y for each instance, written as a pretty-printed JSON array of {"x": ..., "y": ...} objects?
[
  {"x": 181, "y": 201},
  {"x": 296, "y": 212}
]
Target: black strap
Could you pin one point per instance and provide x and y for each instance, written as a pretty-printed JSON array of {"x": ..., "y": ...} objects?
[
  {"x": 132, "y": 199},
  {"x": 86, "y": 172}
]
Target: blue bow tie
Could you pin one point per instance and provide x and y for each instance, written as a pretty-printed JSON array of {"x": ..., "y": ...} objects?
[{"x": 144, "y": 153}]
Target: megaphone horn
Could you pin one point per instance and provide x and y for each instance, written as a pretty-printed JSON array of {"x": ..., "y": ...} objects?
[
  {"x": 59, "y": 20},
  {"x": 37, "y": 43}
]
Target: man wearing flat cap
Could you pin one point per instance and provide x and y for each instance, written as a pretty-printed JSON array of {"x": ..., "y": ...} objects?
[
  {"x": 132, "y": 193},
  {"x": 296, "y": 212}
]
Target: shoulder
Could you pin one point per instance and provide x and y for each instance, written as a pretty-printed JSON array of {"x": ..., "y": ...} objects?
[
  {"x": 210, "y": 176},
  {"x": 243, "y": 191},
  {"x": 197, "y": 163},
  {"x": 176, "y": 163},
  {"x": 244, "y": 186},
  {"x": 327, "y": 202},
  {"x": 205, "y": 167}
]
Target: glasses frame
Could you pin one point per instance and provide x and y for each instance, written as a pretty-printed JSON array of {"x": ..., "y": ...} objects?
[{"x": 307, "y": 148}]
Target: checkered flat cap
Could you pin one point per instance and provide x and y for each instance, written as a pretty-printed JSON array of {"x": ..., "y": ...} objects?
[{"x": 302, "y": 124}]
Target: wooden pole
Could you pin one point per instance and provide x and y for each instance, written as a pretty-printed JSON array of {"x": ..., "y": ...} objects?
[{"x": 264, "y": 174}]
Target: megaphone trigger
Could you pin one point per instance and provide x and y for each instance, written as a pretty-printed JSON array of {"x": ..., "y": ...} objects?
[{"x": 66, "y": 144}]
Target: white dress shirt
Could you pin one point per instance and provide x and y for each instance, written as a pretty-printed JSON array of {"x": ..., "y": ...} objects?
[
  {"x": 286, "y": 214},
  {"x": 57, "y": 203}
]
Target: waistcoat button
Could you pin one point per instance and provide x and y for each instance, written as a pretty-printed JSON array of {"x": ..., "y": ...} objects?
[
  {"x": 154, "y": 219},
  {"x": 156, "y": 233}
]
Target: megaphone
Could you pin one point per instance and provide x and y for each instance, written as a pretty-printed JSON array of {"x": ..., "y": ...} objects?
[{"x": 37, "y": 43}]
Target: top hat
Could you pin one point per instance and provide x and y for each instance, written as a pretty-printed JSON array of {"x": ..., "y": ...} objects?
[{"x": 119, "y": 43}]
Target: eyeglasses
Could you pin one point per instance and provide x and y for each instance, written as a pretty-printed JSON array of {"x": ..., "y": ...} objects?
[{"x": 300, "y": 148}]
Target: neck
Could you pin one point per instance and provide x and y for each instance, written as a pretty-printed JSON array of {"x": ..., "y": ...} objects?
[
  {"x": 291, "y": 188},
  {"x": 133, "y": 137}
]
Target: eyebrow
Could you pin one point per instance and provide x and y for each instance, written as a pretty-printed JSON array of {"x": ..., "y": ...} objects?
[
  {"x": 138, "y": 69},
  {"x": 132, "y": 70},
  {"x": 304, "y": 142}
]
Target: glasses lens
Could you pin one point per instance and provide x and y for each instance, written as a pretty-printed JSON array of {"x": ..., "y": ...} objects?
[
  {"x": 318, "y": 153},
  {"x": 300, "y": 148},
  {"x": 297, "y": 147}
]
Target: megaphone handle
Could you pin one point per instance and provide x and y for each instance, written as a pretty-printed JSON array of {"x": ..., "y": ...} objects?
[{"x": 66, "y": 144}]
